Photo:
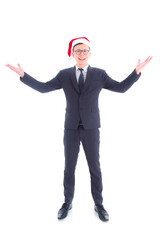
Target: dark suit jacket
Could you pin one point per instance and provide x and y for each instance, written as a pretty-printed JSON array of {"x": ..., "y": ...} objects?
[{"x": 82, "y": 106}]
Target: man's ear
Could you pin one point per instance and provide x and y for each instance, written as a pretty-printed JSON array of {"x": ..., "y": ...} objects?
[{"x": 72, "y": 54}]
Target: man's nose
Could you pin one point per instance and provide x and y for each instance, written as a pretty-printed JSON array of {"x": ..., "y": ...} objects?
[{"x": 82, "y": 52}]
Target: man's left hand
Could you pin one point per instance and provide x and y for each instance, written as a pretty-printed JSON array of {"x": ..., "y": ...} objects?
[{"x": 140, "y": 65}]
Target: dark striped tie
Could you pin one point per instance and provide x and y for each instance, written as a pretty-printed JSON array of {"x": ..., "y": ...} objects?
[{"x": 81, "y": 80}]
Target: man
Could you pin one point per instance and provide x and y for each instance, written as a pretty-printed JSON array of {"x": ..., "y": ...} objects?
[{"x": 82, "y": 85}]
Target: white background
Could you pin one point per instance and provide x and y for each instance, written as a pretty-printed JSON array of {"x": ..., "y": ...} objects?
[{"x": 36, "y": 35}]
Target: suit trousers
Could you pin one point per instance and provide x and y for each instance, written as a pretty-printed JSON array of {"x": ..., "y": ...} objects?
[{"x": 90, "y": 142}]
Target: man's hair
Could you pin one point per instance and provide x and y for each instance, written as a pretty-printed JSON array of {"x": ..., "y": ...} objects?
[{"x": 78, "y": 44}]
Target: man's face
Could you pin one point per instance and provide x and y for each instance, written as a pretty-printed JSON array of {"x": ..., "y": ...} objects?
[{"x": 81, "y": 54}]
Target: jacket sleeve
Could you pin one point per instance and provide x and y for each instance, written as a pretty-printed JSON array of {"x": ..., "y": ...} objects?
[
  {"x": 121, "y": 87},
  {"x": 42, "y": 87}
]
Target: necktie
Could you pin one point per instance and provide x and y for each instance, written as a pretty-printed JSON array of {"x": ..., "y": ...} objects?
[{"x": 81, "y": 80}]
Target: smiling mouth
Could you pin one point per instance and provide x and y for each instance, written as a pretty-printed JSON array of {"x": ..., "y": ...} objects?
[{"x": 81, "y": 59}]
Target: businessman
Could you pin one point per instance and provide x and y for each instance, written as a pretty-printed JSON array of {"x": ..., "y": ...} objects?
[{"x": 81, "y": 85}]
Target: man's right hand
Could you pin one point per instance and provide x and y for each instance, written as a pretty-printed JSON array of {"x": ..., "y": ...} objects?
[{"x": 18, "y": 70}]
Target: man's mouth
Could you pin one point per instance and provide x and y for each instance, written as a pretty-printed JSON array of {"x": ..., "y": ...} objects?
[{"x": 81, "y": 59}]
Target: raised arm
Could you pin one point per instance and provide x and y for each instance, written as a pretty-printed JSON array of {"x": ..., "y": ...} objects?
[
  {"x": 123, "y": 86},
  {"x": 42, "y": 87}
]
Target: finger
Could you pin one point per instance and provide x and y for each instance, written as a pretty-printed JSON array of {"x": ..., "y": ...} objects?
[
  {"x": 149, "y": 58},
  {"x": 8, "y": 65},
  {"x": 19, "y": 65},
  {"x": 138, "y": 61},
  {"x": 11, "y": 67}
]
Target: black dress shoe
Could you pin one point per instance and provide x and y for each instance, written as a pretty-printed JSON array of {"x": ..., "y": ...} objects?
[
  {"x": 63, "y": 212},
  {"x": 102, "y": 213}
]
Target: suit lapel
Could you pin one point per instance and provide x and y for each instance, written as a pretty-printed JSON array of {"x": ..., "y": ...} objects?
[
  {"x": 88, "y": 78},
  {"x": 74, "y": 80}
]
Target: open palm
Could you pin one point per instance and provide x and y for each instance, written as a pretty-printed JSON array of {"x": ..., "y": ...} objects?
[
  {"x": 18, "y": 69},
  {"x": 140, "y": 65}
]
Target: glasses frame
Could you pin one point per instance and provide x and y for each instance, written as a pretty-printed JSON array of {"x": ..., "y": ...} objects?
[{"x": 79, "y": 51}]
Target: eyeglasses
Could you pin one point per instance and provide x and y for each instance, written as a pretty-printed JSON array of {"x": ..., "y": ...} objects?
[{"x": 78, "y": 51}]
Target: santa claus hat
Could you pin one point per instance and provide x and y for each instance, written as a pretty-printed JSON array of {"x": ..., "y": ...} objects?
[{"x": 75, "y": 41}]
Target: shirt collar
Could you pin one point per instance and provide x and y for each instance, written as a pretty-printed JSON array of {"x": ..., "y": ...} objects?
[{"x": 85, "y": 68}]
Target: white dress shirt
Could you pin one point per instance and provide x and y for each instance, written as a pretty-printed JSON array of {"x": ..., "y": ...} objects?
[{"x": 78, "y": 72}]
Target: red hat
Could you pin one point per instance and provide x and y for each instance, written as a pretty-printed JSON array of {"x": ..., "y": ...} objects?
[{"x": 75, "y": 41}]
